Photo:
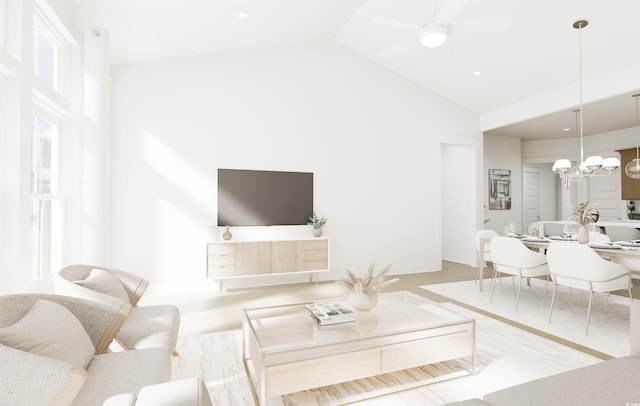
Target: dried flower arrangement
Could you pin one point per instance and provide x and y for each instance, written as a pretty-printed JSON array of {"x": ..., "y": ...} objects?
[
  {"x": 584, "y": 213},
  {"x": 369, "y": 284}
]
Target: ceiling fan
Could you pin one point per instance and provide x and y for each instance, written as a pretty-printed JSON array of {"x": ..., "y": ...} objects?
[{"x": 435, "y": 32}]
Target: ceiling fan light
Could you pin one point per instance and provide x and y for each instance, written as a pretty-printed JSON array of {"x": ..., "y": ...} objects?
[
  {"x": 433, "y": 35},
  {"x": 561, "y": 166}
]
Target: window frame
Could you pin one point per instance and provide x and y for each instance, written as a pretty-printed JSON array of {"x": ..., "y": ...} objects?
[
  {"x": 41, "y": 25},
  {"x": 3, "y": 24},
  {"x": 44, "y": 262}
]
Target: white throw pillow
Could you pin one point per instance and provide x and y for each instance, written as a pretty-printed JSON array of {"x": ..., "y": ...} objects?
[
  {"x": 49, "y": 329},
  {"x": 104, "y": 282}
]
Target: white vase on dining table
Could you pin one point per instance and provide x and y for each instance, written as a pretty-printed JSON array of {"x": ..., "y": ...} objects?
[{"x": 583, "y": 234}]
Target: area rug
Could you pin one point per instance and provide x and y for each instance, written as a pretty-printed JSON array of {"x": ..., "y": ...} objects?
[
  {"x": 506, "y": 356},
  {"x": 608, "y": 328}
]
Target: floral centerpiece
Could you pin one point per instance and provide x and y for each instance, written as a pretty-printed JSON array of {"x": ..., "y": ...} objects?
[
  {"x": 363, "y": 292},
  {"x": 317, "y": 222},
  {"x": 583, "y": 214}
]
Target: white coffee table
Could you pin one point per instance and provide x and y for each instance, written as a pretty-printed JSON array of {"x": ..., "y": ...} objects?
[{"x": 285, "y": 351}]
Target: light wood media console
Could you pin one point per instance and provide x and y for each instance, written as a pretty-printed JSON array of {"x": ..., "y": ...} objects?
[{"x": 231, "y": 259}]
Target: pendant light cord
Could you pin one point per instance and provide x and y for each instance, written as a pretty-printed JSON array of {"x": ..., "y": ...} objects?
[
  {"x": 637, "y": 128},
  {"x": 577, "y": 133},
  {"x": 581, "y": 131}
]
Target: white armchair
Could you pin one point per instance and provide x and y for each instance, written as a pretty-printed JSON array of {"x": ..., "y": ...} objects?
[
  {"x": 511, "y": 256},
  {"x": 48, "y": 343},
  {"x": 146, "y": 326},
  {"x": 579, "y": 266}
]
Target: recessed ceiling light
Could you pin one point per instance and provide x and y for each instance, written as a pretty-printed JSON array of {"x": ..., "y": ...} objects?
[
  {"x": 566, "y": 129},
  {"x": 476, "y": 73},
  {"x": 243, "y": 14}
]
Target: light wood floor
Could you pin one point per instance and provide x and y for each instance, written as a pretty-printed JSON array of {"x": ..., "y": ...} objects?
[{"x": 208, "y": 311}]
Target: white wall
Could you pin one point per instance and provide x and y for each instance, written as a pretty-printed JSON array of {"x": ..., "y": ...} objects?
[
  {"x": 503, "y": 153},
  {"x": 604, "y": 144},
  {"x": 600, "y": 87},
  {"x": 371, "y": 138}
]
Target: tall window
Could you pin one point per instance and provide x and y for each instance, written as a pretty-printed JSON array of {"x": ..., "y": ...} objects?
[
  {"x": 3, "y": 149},
  {"x": 50, "y": 46},
  {"x": 48, "y": 54},
  {"x": 3, "y": 23},
  {"x": 46, "y": 213}
]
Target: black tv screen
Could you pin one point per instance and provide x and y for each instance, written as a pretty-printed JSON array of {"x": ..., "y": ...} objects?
[{"x": 264, "y": 198}]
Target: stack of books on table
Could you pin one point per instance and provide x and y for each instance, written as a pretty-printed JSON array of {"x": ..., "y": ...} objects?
[{"x": 327, "y": 313}]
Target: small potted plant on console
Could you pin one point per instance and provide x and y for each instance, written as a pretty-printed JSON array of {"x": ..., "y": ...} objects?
[{"x": 317, "y": 223}]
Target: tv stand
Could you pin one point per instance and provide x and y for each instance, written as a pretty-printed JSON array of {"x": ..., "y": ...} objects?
[{"x": 234, "y": 259}]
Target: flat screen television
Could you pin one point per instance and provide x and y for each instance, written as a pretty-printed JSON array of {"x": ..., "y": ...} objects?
[{"x": 264, "y": 198}]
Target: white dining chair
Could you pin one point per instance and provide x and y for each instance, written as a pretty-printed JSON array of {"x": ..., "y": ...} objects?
[
  {"x": 578, "y": 266},
  {"x": 632, "y": 264},
  {"x": 485, "y": 235},
  {"x": 598, "y": 237},
  {"x": 622, "y": 233},
  {"x": 552, "y": 229},
  {"x": 512, "y": 257}
]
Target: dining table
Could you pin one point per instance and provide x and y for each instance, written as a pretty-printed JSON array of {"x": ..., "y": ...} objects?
[{"x": 623, "y": 249}]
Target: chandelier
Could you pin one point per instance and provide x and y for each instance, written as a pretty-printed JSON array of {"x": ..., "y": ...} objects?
[{"x": 593, "y": 165}]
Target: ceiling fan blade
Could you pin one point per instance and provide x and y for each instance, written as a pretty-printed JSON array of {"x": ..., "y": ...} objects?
[
  {"x": 397, "y": 49},
  {"x": 448, "y": 11},
  {"x": 485, "y": 25},
  {"x": 390, "y": 22}
]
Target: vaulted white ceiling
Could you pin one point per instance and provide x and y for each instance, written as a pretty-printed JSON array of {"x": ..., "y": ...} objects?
[{"x": 523, "y": 49}]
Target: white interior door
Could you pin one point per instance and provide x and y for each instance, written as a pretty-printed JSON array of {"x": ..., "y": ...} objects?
[
  {"x": 605, "y": 191},
  {"x": 531, "y": 198}
]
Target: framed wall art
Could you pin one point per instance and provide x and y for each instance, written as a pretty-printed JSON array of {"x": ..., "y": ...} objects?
[{"x": 499, "y": 189}]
